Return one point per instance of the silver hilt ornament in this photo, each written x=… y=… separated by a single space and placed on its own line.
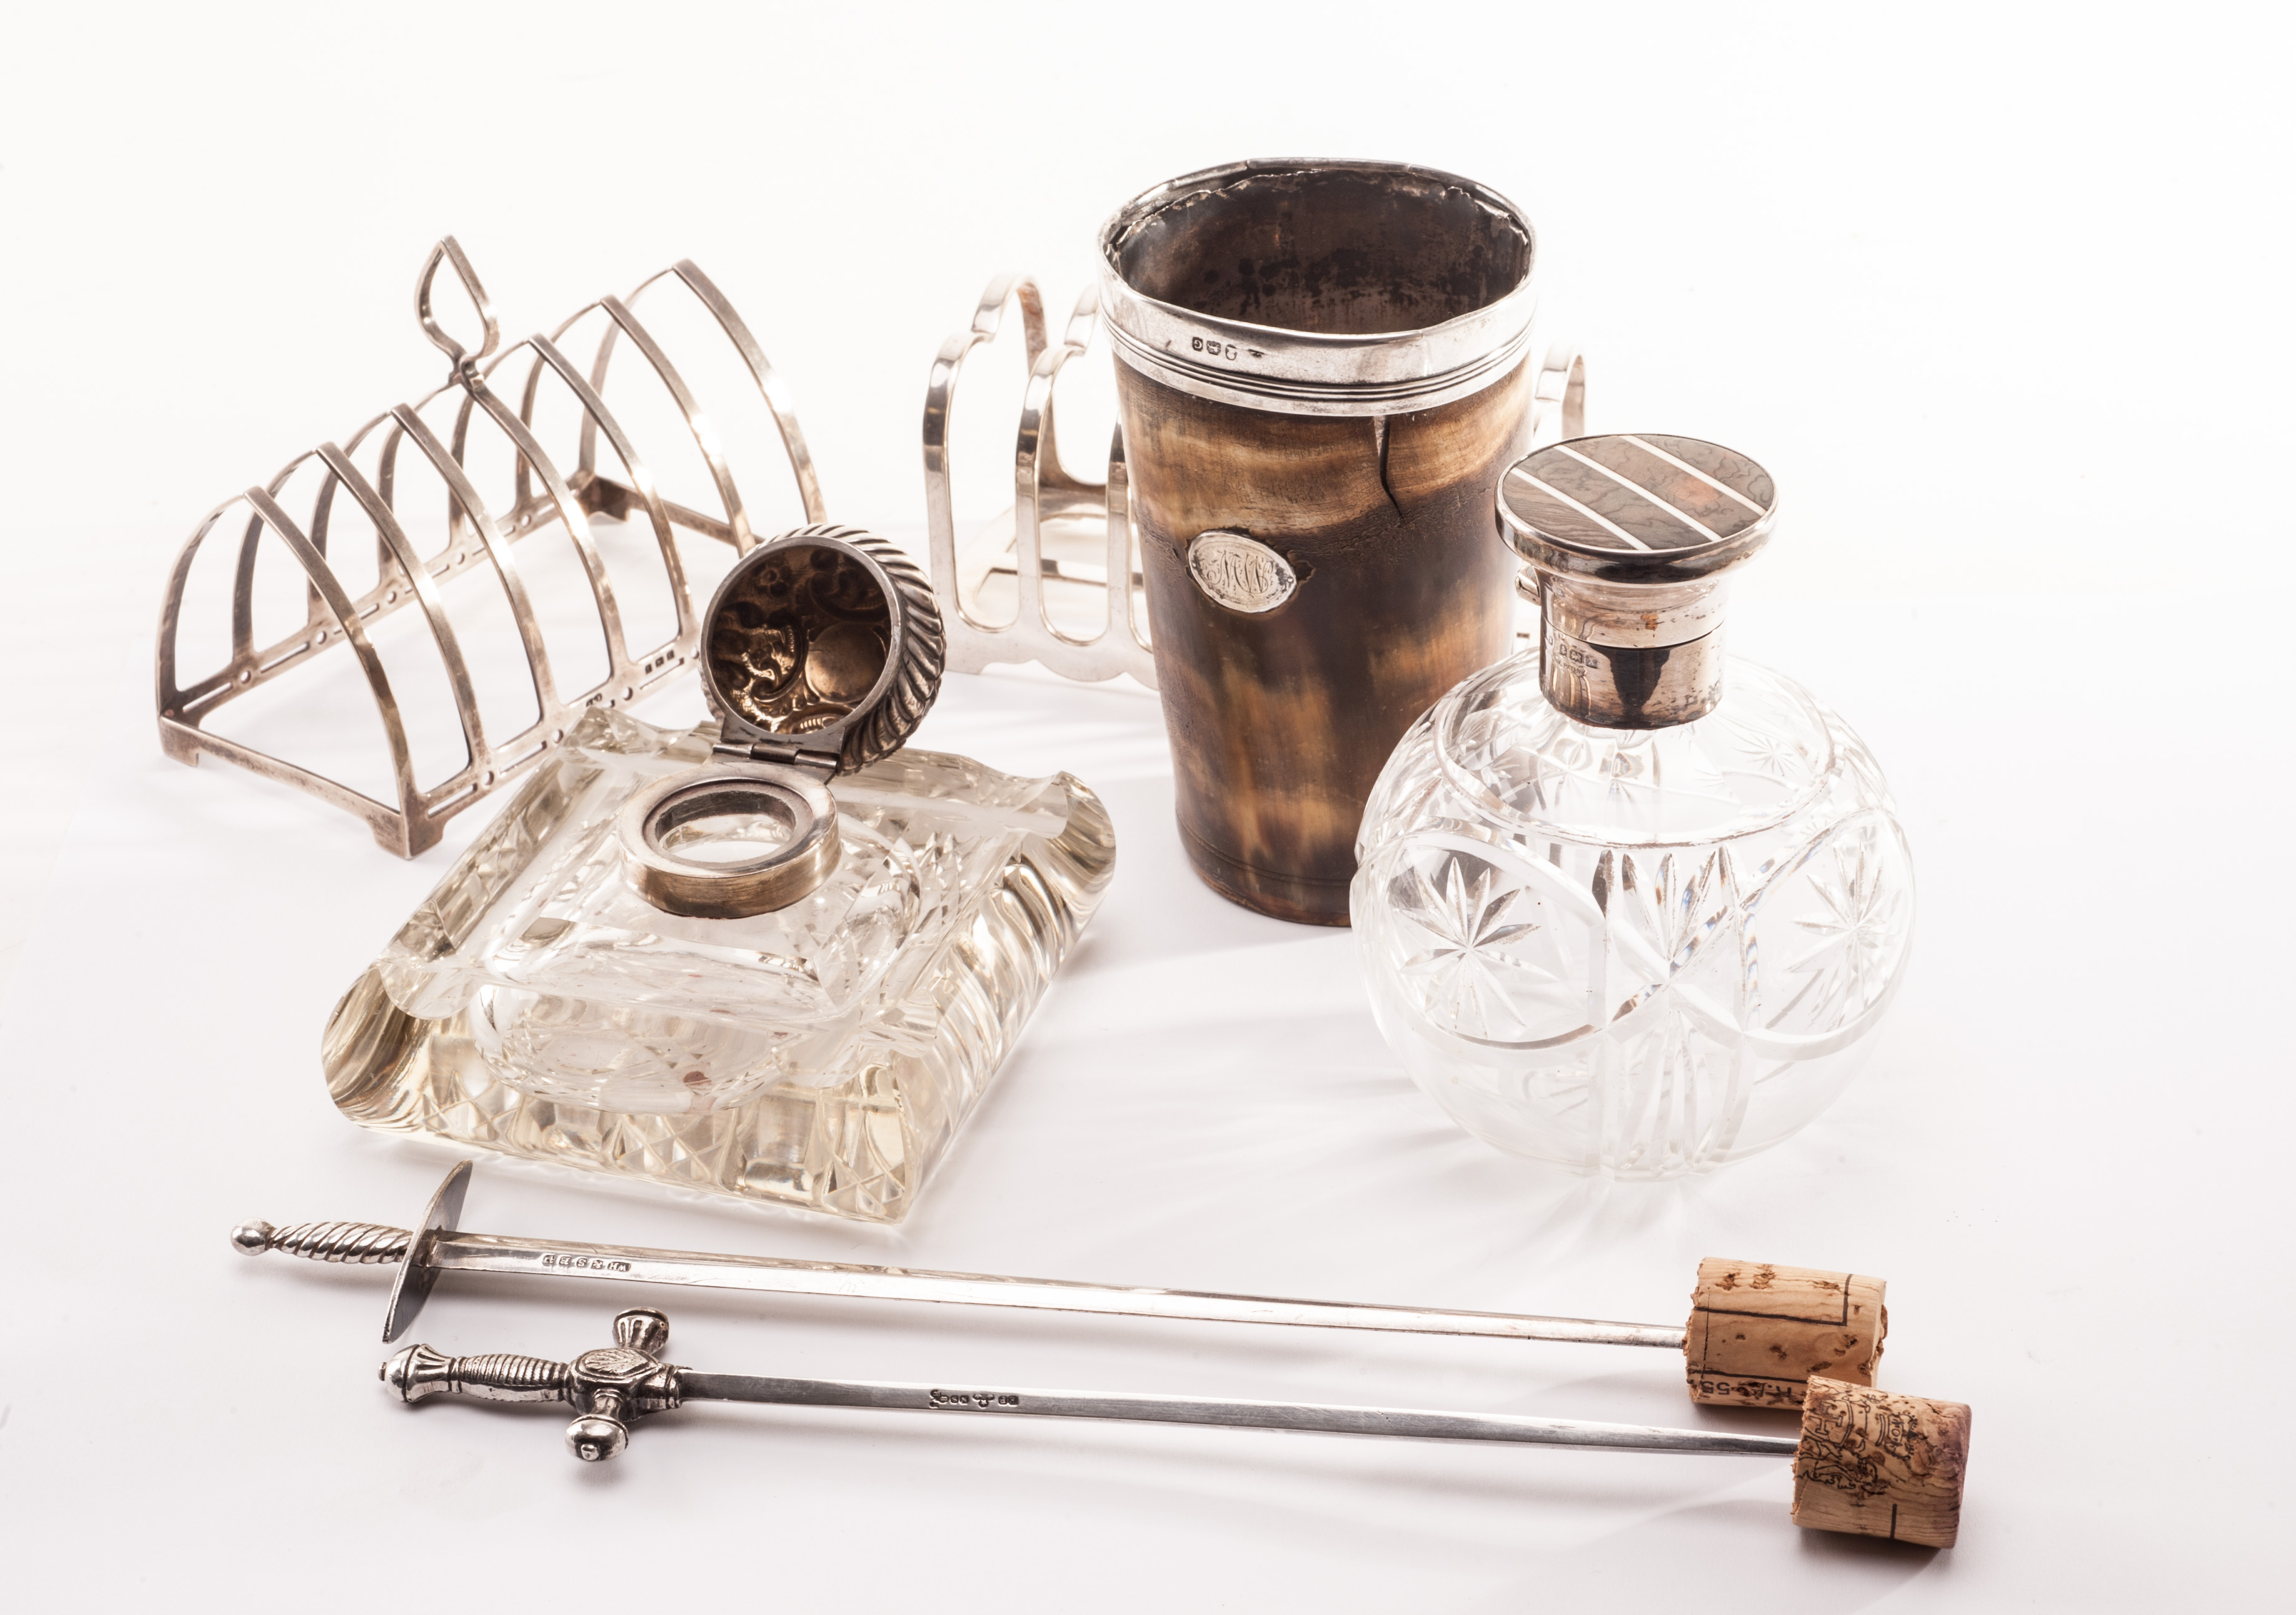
x=611 y=1385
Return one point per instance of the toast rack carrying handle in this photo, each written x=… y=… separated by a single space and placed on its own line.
x=465 y=362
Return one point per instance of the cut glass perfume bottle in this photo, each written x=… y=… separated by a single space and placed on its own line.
x=775 y=956
x=1625 y=903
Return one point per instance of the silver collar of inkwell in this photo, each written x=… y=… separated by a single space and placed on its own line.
x=1628 y=539
x=821 y=653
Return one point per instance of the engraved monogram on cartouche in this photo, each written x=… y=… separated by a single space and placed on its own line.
x=1240 y=572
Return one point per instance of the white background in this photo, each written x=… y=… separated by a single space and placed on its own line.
x=1999 y=295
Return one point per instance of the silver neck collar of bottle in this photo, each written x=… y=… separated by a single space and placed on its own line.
x=1621 y=659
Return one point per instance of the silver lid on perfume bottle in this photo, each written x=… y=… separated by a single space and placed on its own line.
x=1630 y=538
x=821 y=653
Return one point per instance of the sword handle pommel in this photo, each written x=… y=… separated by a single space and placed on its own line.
x=360 y=1244
x=419 y=1372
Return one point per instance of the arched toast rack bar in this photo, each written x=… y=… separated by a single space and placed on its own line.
x=1095 y=516
x=476 y=535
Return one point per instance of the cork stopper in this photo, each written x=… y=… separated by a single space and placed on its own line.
x=1759 y=1331
x=1874 y=1464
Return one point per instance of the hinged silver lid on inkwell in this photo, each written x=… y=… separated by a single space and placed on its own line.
x=821 y=653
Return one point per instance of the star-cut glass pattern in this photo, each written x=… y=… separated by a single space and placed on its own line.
x=1470 y=970
x=1674 y=951
x=1851 y=935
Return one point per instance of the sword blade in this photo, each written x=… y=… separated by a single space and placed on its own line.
x=895 y=1397
x=778 y=1275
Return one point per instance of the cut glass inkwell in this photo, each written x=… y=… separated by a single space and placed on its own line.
x=775 y=956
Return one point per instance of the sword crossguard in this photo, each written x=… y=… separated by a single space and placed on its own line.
x=613 y=1385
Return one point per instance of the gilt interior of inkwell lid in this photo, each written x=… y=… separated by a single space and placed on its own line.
x=1328 y=251
x=799 y=640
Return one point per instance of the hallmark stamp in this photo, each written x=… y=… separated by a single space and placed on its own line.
x=993 y=1400
x=596 y=1263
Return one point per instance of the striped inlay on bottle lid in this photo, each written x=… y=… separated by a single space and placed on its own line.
x=1627 y=494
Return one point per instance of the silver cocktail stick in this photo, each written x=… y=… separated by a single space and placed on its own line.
x=436 y=1246
x=1867 y=1462
x=618 y=1384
